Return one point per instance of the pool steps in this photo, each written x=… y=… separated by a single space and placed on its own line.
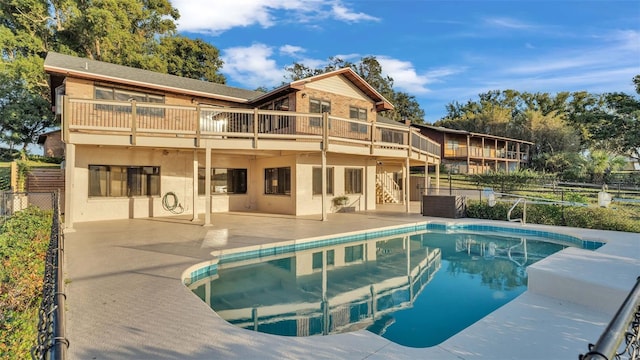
x=593 y=279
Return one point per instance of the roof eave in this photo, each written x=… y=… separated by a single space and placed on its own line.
x=86 y=75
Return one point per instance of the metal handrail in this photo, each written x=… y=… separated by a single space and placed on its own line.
x=524 y=211
x=625 y=325
x=51 y=341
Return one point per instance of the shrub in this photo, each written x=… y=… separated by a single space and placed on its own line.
x=23 y=245
x=582 y=217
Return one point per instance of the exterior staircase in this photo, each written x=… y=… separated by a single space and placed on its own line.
x=387 y=190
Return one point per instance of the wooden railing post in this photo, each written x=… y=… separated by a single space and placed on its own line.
x=373 y=130
x=134 y=125
x=198 y=128
x=255 y=128
x=325 y=131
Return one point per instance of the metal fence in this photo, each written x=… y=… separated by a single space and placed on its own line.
x=51 y=342
x=12 y=202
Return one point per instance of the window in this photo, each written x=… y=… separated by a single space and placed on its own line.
x=109 y=93
x=392 y=136
x=353 y=253
x=358 y=114
x=318 y=107
x=317 y=259
x=317 y=180
x=453 y=144
x=277 y=181
x=224 y=181
x=124 y=181
x=353 y=181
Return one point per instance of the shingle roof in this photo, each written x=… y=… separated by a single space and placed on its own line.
x=92 y=69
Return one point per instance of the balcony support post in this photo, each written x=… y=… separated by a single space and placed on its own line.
x=324 y=183
x=407 y=190
x=207 y=185
x=69 y=185
x=195 y=186
x=437 y=179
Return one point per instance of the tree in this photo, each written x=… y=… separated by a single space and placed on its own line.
x=193 y=59
x=138 y=33
x=24 y=113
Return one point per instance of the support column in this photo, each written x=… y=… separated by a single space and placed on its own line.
x=426 y=177
x=437 y=179
x=69 y=185
x=207 y=185
x=324 y=184
x=195 y=186
x=407 y=190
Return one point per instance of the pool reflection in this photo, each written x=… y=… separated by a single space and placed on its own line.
x=323 y=290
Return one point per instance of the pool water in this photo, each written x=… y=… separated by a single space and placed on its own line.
x=416 y=289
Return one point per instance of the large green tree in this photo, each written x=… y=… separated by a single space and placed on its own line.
x=138 y=33
x=406 y=105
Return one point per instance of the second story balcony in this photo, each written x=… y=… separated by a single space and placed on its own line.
x=106 y=123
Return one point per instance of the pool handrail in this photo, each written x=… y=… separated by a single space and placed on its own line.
x=625 y=325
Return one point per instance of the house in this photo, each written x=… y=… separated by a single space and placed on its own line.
x=473 y=153
x=145 y=144
x=52 y=144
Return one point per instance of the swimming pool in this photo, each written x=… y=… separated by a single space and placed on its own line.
x=415 y=286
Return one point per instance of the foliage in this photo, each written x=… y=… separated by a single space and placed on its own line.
x=138 y=33
x=23 y=245
x=619 y=219
x=507 y=181
x=561 y=126
x=406 y=106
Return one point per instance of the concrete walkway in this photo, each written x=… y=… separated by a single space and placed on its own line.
x=126 y=300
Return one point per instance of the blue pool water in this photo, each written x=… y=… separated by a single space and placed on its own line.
x=416 y=289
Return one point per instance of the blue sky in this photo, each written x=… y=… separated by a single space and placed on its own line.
x=437 y=51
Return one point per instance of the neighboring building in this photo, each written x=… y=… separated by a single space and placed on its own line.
x=467 y=152
x=145 y=144
x=52 y=144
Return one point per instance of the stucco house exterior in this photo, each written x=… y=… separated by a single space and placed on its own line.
x=145 y=144
x=468 y=152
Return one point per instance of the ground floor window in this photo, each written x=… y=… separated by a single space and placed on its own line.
x=353 y=253
x=353 y=181
x=317 y=181
x=224 y=181
x=317 y=259
x=277 y=181
x=124 y=181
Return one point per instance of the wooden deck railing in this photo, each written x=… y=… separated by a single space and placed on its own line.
x=202 y=122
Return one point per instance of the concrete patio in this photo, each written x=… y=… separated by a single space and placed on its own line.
x=126 y=299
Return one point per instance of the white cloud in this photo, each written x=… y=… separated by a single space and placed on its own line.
x=341 y=12
x=291 y=50
x=252 y=66
x=509 y=23
x=216 y=16
x=406 y=78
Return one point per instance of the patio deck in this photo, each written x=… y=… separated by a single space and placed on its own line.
x=125 y=297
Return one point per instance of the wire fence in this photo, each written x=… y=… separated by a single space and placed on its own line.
x=12 y=202
x=51 y=342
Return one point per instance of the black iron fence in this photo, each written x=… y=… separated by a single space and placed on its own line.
x=51 y=341
x=621 y=338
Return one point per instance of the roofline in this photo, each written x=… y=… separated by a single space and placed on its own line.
x=465 y=132
x=384 y=101
x=87 y=75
